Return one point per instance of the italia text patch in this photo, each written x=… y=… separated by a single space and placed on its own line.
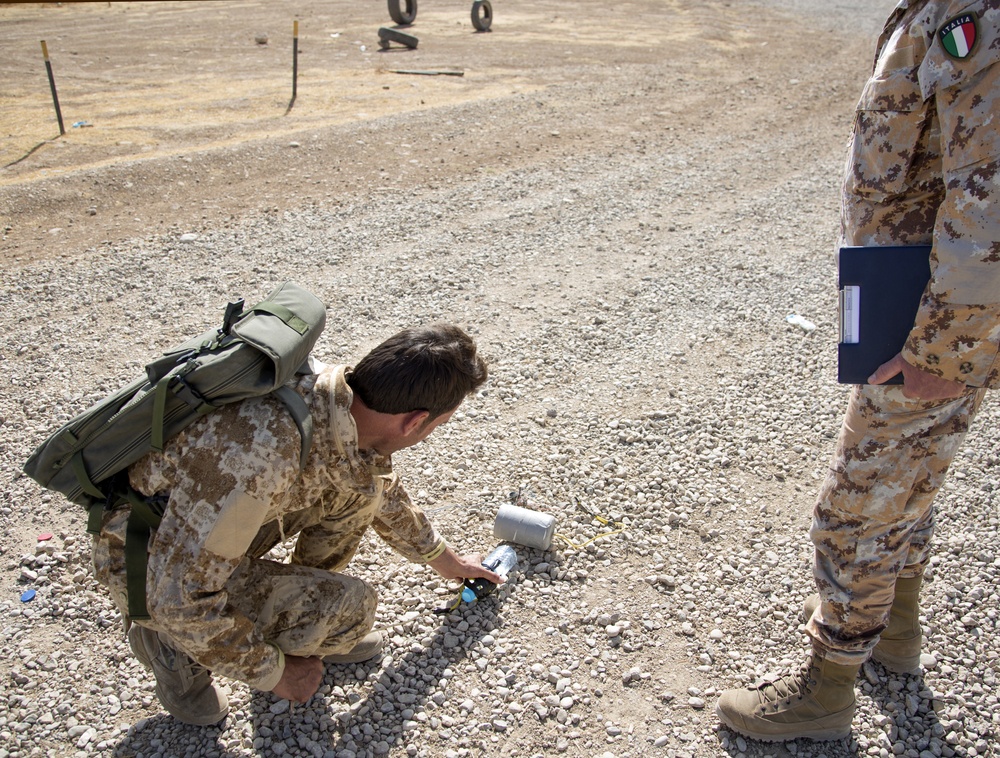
x=959 y=36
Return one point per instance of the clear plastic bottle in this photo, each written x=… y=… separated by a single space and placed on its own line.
x=503 y=560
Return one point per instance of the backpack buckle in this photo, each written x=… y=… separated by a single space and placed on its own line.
x=233 y=313
x=186 y=392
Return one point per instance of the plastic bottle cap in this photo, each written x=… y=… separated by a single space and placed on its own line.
x=468 y=595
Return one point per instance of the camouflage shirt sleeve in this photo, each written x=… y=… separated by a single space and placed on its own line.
x=922 y=169
x=956 y=333
x=404 y=526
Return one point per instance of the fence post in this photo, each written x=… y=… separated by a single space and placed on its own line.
x=295 y=62
x=52 y=86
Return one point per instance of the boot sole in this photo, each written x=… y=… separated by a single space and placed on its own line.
x=187 y=718
x=820 y=735
x=359 y=654
x=335 y=658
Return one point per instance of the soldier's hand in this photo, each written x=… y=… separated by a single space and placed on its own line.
x=450 y=565
x=917 y=384
x=301 y=678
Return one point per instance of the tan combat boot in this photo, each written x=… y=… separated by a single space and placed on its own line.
x=898 y=647
x=184 y=687
x=816 y=702
x=369 y=646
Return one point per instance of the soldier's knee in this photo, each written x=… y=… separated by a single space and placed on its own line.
x=357 y=597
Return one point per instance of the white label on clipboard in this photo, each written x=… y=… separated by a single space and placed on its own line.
x=850 y=314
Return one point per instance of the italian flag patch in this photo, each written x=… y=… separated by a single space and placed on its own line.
x=959 y=36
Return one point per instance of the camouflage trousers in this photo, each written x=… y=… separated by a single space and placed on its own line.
x=303 y=610
x=305 y=607
x=308 y=607
x=874 y=516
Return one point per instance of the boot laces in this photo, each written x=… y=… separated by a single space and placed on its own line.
x=188 y=671
x=788 y=687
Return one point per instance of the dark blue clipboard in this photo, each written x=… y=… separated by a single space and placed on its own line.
x=880 y=289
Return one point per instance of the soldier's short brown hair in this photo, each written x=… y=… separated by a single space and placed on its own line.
x=425 y=368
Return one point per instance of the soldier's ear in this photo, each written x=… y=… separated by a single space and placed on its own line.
x=413 y=421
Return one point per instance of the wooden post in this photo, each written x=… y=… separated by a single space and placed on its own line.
x=52 y=86
x=295 y=62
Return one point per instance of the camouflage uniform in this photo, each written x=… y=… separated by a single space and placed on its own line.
x=235 y=491
x=922 y=169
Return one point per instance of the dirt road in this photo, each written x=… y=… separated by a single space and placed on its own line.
x=623 y=201
x=177 y=117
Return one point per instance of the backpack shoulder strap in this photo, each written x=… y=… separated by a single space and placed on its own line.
x=299 y=412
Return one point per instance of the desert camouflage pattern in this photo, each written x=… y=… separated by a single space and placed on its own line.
x=922 y=169
x=234 y=490
x=874 y=517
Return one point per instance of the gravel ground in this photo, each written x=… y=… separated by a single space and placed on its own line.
x=632 y=306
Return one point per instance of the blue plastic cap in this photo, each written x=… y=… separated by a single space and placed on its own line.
x=468 y=595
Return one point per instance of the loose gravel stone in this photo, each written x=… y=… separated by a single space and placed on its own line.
x=646 y=390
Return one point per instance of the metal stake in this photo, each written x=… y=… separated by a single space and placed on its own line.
x=295 y=62
x=52 y=86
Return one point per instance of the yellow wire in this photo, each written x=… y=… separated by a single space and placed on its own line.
x=452 y=606
x=600 y=519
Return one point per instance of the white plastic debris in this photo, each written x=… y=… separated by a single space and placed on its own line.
x=805 y=324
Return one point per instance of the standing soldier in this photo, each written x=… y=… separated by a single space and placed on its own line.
x=923 y=169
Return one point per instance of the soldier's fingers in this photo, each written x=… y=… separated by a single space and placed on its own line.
x=887 y=370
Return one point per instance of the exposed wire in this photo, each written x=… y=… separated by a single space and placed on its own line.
x=450 y=607
x=601 y=519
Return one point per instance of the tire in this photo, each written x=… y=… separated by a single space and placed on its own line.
x=403 y=11
x=387 y=35
x=482 y=15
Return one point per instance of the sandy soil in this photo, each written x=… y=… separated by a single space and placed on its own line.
x=176 y=117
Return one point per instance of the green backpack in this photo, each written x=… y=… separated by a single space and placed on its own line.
x=255 y=352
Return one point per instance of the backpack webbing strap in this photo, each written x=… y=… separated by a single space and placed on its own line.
x=179 y=387
x=96 y=508
x=94 y=517
x=83 y=478
x=284 y=314
x=143 y=518
x=303 y=419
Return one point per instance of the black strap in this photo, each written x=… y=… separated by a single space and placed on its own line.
x=233 y=313
x=143 y=519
